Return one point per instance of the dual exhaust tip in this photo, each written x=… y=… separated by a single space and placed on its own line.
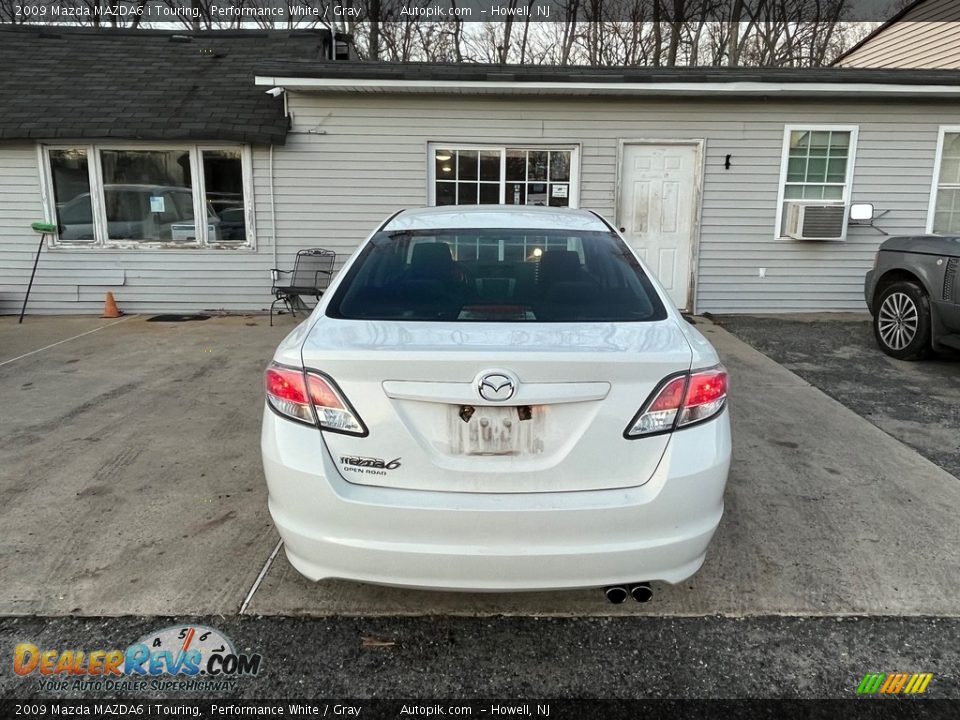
x=641 y=592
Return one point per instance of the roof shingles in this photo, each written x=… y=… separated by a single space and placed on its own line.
x=86 y=83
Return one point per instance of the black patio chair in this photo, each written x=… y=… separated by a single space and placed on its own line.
x=311 y=274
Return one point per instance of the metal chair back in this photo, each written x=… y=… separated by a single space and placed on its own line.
x=313 y=268
x=311 y=275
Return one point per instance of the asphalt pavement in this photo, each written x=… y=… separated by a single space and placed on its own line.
x=465 y=658
x=918 y=403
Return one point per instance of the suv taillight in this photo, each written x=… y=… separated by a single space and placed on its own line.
x=310 y=397
x=681 y=401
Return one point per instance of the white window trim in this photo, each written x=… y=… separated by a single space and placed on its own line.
x=95 y=180
x=573 y=149
x=854 y=131
x=935 y=180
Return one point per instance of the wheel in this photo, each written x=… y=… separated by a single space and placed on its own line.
x=902 y=322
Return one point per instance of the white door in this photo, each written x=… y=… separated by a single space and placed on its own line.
x=656 y=211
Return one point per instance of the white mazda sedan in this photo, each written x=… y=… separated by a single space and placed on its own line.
x=496 y=398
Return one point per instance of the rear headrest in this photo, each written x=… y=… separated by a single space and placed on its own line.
x=433 y=254
x=559 y=265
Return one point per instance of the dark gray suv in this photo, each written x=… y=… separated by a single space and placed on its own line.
x=913 y=292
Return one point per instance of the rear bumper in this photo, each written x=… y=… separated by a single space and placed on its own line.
x=488 y=542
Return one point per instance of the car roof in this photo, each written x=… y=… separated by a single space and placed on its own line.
x=478 y=217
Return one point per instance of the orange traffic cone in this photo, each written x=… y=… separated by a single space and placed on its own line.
x=110 y=309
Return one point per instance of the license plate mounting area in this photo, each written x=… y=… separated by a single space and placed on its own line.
x=487 y=430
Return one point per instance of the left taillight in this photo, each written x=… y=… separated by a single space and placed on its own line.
x=310 y=397
x=681 y=401
x=287 y=393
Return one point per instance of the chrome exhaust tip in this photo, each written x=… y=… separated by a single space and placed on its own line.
x=641 y=592
x=616 y=594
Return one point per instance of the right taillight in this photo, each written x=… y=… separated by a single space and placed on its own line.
x=310 y=397
x=681 y=401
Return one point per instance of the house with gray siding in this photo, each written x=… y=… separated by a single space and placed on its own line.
x=735 y=185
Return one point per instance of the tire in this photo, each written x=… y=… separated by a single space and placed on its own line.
x=901 y=324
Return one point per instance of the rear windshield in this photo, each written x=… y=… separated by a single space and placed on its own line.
x=496 y=275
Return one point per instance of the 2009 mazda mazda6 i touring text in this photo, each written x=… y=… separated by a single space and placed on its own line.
x=496 y=398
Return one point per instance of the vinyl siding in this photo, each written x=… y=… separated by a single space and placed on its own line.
x=74 y=280
x=926 y=37
x=926 y=45
x=352 y=160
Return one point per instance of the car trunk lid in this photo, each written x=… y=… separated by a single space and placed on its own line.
x=550 y=417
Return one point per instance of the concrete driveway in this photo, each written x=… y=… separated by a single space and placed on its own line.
x=130 y=483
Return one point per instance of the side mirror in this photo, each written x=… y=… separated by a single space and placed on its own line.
x=861 y=212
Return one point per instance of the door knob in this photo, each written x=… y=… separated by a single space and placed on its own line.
x=623 y=229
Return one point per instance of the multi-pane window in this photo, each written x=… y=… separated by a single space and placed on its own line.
x=538 y=177
x=946 y=195
x=508 y=175
x=467 y=177
x=817 y=167
x=149 y=197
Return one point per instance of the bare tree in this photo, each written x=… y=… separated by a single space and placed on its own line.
x=658 y=33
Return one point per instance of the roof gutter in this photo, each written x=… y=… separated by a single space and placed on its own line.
x=699 y=89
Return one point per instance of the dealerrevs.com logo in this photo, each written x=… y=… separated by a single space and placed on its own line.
x=178 y=658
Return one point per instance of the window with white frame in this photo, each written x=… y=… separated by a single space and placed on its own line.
x=489 y=175
x=817 y=165
x=944 y=214
x=149 y=196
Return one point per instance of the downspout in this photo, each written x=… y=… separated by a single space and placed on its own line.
x=273 y=211
x=273 y=202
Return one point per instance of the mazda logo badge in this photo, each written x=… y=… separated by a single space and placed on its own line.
x=496 y=387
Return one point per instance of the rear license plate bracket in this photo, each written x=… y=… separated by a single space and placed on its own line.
x=488 y=430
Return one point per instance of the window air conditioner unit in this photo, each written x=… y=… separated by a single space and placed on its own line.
x=806 y=221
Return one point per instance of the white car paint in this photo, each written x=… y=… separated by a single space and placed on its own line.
x=588 y=507
x=481 y=216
